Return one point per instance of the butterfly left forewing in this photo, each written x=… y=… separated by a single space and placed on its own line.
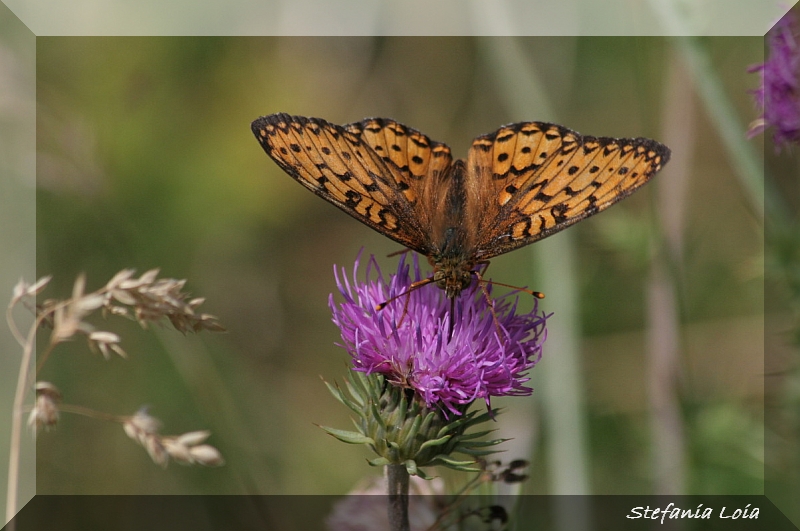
x=340 y=167
x=414 y=155
x=419 y=166
x=544 y=177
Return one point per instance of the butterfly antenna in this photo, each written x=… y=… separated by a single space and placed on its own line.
x=414 y=285
x=479 y=275
x=537 y=294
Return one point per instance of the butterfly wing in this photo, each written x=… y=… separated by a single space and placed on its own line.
x=416 y=158
x=374 y=169
x=538 y=178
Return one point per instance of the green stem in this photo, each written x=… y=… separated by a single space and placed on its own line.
x=398 y=497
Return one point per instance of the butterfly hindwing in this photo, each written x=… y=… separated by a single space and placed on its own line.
x=544 y=177
x=341 y=165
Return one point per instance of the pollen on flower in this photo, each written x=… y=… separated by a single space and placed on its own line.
x=407 y=341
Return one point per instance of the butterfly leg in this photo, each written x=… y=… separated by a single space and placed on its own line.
x=407 y=295
x=482 y=283
x=398 y=253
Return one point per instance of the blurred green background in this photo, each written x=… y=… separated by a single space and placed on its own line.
x=145 y=159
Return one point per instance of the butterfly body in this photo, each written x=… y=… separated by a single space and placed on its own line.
x=517 y=185
x=450 y=237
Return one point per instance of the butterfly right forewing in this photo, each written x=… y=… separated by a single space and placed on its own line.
x=341 y=165
x=503 y=162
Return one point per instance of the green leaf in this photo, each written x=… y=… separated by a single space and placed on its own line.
x=462 y=468
x=483 y=444
x=478 y=453
x=423 y=475
x=474 y=435
x=455 y=425
x=373 y=383
x=341 y=397
x=359 y=428
x=350 y=437
x=485 y=416
x=335 y=391
x=465 y=422
x=358 y=394
x=410 y=433
x=375 y=413
x=402 y=408
x=434 y=442
x=379 y=461
x=426 y=424
x=449 y=461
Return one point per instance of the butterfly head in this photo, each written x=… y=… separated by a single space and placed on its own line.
x=452 y=274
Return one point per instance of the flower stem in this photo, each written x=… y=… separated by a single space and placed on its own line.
x=398 y=497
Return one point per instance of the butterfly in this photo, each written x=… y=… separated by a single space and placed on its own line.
x=519 y=184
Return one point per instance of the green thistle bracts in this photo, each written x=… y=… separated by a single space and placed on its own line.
x=402 y=430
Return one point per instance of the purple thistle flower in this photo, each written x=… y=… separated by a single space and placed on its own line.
x=408 y=341
x=779 y=94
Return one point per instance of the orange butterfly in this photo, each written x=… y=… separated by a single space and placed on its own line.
x=518 y=185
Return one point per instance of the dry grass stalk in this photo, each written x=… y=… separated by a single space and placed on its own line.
x=186 y=449
x=147 y=299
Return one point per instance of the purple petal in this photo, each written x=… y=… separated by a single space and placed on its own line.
x=779 y=94
x=407 y=342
